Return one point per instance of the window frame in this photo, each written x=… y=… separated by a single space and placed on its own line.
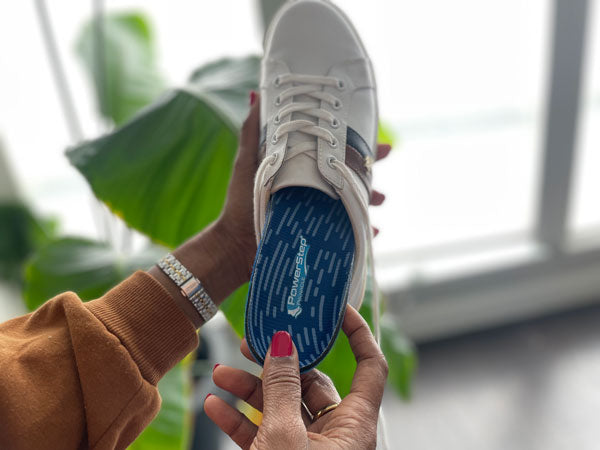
x=558 y=272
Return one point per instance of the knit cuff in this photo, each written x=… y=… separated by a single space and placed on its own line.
x=142 y=314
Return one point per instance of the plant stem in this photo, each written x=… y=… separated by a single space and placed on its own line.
x=66 y=99
x=98 y=49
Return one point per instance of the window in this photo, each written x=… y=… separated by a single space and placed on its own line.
x=461 y=84
x=585 y=203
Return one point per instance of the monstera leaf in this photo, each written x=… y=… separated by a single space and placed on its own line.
x=166 y=171
x=119 y=55
x=86 y=267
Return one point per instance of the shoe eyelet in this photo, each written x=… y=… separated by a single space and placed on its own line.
x=333 y=143
x=337 y=104
x=278 y=101
x=341 y=85
x=335 y=123
x=277 y=82
x=274 y=139
x=330 y=161
x=275 y=157
x=277 y=120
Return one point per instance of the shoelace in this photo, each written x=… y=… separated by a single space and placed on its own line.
x=311 y=86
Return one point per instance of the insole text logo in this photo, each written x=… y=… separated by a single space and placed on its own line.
x=293 y=302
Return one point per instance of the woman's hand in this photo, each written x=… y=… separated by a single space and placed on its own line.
x=236 y=221
x=280 y=393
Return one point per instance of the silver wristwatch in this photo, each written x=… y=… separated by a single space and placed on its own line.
x=190 y=286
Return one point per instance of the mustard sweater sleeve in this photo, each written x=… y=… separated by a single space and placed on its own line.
x=83 y=375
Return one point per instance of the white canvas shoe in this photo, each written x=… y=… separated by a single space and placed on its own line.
x=319 y=130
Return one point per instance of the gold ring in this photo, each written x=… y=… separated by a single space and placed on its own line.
x=322 y=412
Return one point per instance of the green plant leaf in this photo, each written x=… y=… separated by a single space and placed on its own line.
x=225 y=85
x=234 y=309
x=385 y=135
x=21 y=233
x=170 y=428
x=401 y=356
x=123 y=66
x=166 y=171
x=87 y=267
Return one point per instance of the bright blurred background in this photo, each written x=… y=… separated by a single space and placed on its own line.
x=489 y=250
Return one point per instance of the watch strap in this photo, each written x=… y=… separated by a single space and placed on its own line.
x=191 y=287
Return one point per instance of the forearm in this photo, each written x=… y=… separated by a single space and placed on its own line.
x=216 y=259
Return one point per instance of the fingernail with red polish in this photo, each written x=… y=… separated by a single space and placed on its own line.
x=215 y=366
x=252 y=97
x=281 y=345
x=383 y=151
x=207 y=395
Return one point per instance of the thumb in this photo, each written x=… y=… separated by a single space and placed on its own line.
x=282 y=394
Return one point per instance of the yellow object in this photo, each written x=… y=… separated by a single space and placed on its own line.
x=254 y=415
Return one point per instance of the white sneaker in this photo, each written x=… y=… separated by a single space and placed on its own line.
x=319 y=130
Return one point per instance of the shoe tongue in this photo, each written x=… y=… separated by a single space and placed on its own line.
x=302 y=170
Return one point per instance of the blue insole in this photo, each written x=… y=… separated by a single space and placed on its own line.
x=301 y=274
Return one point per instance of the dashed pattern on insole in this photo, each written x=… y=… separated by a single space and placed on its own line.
x=305 y=297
